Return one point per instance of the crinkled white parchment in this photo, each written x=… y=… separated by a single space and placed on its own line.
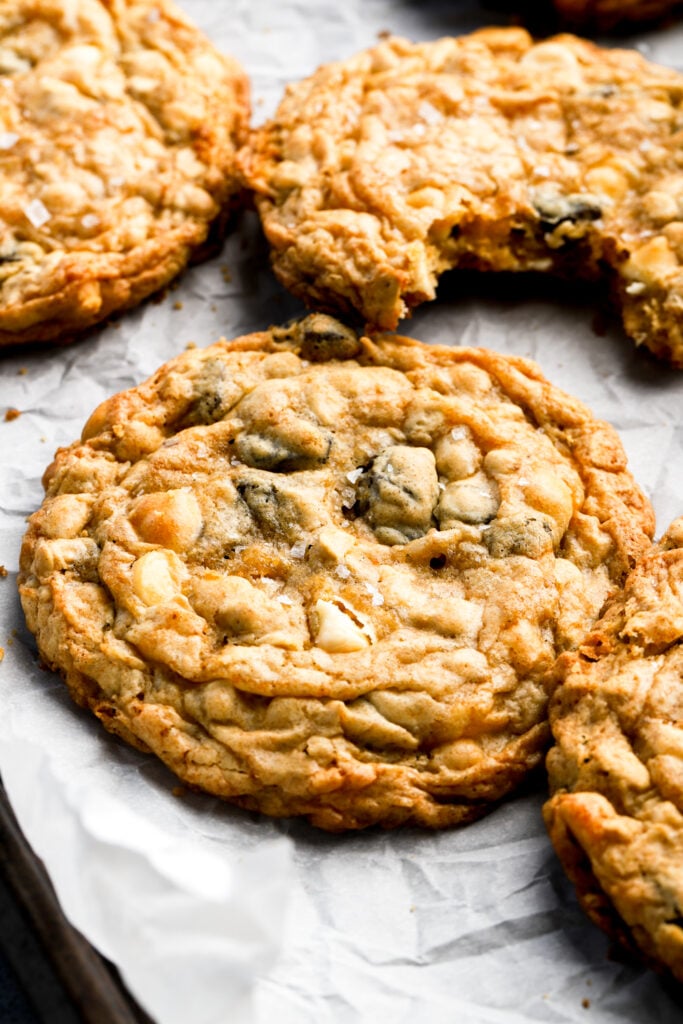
x=214 y=915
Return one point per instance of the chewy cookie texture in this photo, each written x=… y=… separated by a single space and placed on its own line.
x=118 y=129
x=487 y=152
x=616 y=771
x=324 y=575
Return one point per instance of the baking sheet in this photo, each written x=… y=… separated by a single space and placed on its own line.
x=215 y=915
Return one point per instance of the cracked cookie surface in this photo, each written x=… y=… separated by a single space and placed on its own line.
x=119 y=124
x=487 y=152
x=325 y=575
x=616 y=772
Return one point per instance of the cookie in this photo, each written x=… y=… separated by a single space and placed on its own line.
x=324 y=575
x=607 y=14
x=120 y=123
x=487 y=152
x=616 y=772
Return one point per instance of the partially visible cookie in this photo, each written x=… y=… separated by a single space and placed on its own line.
x=487 y=152
x=606 y=14
x=324 y=575
x=119 y=125
x=616 y=771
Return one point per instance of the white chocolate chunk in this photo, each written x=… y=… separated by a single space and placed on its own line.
x=468 y=501
x=67 y=515
x=456 y=454
x=158 y=576
x=172 y=519
x=335 y=631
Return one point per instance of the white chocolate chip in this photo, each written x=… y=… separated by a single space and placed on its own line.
x=158 y=576
x=335 y=631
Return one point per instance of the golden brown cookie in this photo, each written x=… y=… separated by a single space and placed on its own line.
x=328 y=576
x=486 y=152
x=119 y=123
x=616 y=772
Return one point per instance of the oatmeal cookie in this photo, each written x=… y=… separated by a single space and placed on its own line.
x=119 y=124
x=616 y=772
x=486 y=152
x=325 y=575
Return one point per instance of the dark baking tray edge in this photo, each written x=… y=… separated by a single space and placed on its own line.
x=88 y=981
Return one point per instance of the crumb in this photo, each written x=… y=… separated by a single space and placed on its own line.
x=22 y=371
x=384 y=33
x=11 y=414
x=3 y=572
x=259 y=101
x=586 y=1004
x=2 y=653
x=15 y=631
x=43 y=439
x=177 y=305
x=179 y=791
x=191 y=344
x=213 y=307
x=227 y=276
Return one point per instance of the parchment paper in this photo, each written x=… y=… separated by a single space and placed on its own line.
x=214 y=915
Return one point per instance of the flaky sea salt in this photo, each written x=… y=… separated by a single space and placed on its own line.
x=458 y=433
x=283 y=599
x=8 y=139
x=37 y=213
x=343 y=571
x=355 y=475
x=429 y=113
x=348 y=496
x=90 y=220
x=377 y=599
x=298 y=550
